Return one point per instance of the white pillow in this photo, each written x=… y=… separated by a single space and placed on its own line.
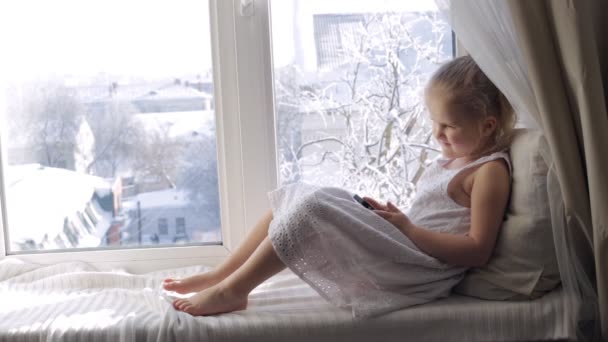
x=523 y=264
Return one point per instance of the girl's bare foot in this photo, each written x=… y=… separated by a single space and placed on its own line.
x=214 y=300
x=194 y=283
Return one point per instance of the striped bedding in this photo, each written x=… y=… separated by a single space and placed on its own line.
x=76 y=302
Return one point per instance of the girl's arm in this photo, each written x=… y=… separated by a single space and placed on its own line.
x=489 y=197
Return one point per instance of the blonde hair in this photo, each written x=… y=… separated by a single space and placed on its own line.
x=466 y=86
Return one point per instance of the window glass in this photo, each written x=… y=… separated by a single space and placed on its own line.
x=163 y=226
x=180 y=225
x=348 y=79
x=91 y=214
x=109 y=111
x=85 y=223
x=70 y=231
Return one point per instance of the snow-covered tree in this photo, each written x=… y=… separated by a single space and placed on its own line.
x=116 y=132
x=45 y=120
x=157 y=155
x=198 y=175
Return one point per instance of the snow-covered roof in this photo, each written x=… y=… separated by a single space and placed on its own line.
x=101 y=93
x=141 y=91
x=40 y=198
x=180 y=124
x=175 y=91
x=169 y=198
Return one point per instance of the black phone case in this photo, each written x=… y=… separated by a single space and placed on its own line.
x=363 y=202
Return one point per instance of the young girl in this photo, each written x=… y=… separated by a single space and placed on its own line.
x=376 y=261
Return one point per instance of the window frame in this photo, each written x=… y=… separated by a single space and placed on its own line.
x=247 y=162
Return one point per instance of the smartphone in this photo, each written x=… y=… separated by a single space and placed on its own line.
x=363 y=202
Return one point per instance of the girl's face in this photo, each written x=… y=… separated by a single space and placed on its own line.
x=460 y=135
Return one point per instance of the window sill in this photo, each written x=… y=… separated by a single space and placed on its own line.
x=133 y=260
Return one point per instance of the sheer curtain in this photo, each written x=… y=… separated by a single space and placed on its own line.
x=546 y=56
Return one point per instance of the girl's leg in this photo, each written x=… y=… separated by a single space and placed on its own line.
x=202 y=281
x=232 y=292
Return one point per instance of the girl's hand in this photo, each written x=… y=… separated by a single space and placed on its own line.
x=393 y=215
x=375 y=204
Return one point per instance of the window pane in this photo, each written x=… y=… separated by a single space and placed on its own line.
x=163 y=226
x=110 y=123
x=180 y=227
x=348 y=83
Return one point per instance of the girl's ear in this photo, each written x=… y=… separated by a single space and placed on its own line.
x=489 y=126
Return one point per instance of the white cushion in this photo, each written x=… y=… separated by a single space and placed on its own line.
x=523 y=264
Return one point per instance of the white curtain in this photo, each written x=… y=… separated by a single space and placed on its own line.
x=487 y=32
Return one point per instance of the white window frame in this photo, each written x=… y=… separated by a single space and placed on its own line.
x=247 y=163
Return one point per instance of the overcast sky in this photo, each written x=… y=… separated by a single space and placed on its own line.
x=138 y=37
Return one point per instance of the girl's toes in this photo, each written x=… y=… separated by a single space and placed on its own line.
x=169 y=285
x=188 y=308
x=183 y=305
x=178 y=303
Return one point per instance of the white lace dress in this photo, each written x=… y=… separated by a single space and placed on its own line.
x=357 y=260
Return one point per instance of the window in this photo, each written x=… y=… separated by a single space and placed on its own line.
x=91 y=214
x=179 y=135
x=85 y=223
x=163 y=226
x=180 y=226
x=71 y=233
x=333 y=33
x=123 y=121
x=348 y=92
